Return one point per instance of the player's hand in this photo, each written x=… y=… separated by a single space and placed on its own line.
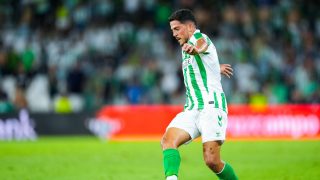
x=226 y=70
x=189 y=49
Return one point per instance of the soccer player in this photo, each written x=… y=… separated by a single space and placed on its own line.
x=205 y=110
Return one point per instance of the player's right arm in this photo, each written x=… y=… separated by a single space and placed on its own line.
x=226 y=70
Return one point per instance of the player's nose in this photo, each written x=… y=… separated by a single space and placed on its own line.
x=175 y=34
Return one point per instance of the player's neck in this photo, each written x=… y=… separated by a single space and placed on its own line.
x=191 y=32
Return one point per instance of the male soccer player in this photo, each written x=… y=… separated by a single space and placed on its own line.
x=205 y=111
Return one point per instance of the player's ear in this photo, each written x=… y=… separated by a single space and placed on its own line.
x=190 y=26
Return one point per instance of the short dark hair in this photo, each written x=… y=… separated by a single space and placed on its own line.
x=183 y=15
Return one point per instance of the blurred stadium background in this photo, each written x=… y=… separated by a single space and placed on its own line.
x=111 y=68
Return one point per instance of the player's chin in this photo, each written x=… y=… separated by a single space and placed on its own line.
x=181 y=42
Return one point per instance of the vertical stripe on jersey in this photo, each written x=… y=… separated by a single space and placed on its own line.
x=188 y=90
x=196 y=88
x=223 y=102
x=202 y=71
x=216 y=103
x=198 y=35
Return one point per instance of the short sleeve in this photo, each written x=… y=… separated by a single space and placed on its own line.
x=196 y=35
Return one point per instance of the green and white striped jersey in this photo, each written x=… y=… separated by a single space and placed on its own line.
x=202 y=77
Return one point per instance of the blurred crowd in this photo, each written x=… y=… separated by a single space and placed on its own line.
x=74 y=55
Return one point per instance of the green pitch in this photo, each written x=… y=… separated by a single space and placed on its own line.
x=65 y=158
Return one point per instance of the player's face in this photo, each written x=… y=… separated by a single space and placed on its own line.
x=179 y=31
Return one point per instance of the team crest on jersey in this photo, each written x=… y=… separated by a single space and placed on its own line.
x=186 y=63
x=187 y=59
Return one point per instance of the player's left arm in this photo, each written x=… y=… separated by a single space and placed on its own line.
x=200 y=46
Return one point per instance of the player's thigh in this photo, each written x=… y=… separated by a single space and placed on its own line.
x=182 y=129
x=174 y=137
x=213 y=124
